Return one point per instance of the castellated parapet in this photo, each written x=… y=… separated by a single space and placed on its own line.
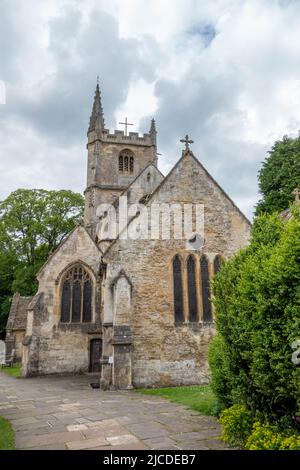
x=119 y=137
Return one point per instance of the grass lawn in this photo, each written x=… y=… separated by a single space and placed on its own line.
x=7 y=435
x=14 y=371
x=199 y=398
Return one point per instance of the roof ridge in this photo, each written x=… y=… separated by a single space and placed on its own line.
x=63 y=242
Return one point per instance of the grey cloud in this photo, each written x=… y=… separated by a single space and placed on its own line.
x=50 y=90
x=80 y=52
x=190 y=107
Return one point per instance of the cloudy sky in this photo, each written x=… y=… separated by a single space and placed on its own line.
x=225 y=71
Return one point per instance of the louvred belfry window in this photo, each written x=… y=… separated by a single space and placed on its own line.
x=76 y=296
x=121 y=164
x=126 y=162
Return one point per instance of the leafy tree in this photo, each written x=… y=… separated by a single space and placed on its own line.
x=279 y=176
x=33 y=222
x=257 y=307
x=7 y=263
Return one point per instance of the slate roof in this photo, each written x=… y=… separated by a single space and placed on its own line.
x=17 y=318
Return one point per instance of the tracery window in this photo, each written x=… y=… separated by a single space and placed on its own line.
x=76 y=296
x=191 y=289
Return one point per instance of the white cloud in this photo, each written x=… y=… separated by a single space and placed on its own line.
x=140 y=101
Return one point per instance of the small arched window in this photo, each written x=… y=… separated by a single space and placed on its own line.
x=178 y=294
x=76 y=296
x=205 y=283
x=192 y=289
x=126 y=162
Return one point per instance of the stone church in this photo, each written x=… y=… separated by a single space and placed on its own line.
x=137 y=310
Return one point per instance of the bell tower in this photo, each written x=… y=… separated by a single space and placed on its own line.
x=115 y=159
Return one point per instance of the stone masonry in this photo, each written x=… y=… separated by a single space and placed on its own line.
x=109 y=301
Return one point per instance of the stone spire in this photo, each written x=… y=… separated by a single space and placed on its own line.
x=97 y=118
x=153 y=131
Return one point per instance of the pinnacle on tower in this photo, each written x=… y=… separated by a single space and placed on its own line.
x=97 y=118
x=153 y=130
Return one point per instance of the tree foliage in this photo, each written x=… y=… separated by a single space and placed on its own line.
x=33 y=222
x=279 y=176
x=257 y=307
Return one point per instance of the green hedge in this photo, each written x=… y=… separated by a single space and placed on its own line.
x=257 y=300
x=7 y=435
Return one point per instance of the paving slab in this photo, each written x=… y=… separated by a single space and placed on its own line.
x=86 y=443
x=50 y=413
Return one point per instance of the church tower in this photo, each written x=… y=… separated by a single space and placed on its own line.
x=114 y=161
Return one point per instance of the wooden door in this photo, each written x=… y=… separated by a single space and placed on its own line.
x=95 y=355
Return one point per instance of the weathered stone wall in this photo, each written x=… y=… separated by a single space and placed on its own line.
x=53 y=347
x=10 y=342
x=165 y=353
x=144 y=184
x=19 y=335
x=109 y=148
x=104 y=182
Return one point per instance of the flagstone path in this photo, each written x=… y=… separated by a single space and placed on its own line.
x=66 y=413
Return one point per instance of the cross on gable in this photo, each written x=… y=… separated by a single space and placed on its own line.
x=126 y=124
x=187 y=141
x=296 y=193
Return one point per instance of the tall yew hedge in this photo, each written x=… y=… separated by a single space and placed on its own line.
x=257 y=301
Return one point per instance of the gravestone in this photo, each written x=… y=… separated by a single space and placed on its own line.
x=2 y=352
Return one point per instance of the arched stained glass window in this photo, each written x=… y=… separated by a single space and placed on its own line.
x=76 y=296
x=217 y=264
x=192 y=289
x=65 y=302
x=76 y=302
x=178 y=294
x=206 y=303
x=87 y=301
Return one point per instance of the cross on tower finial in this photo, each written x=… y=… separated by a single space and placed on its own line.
x=97 y=79
x=126 y=124
x=187 y=141
x=296 y=193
